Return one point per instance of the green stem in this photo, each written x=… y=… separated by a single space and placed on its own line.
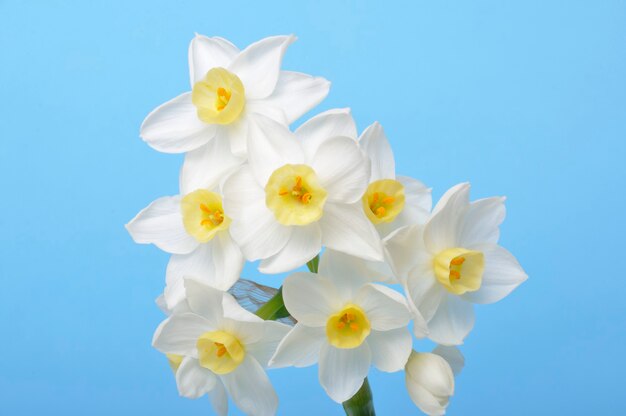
x=313 y=264
x=362 y=403
x=274 y=308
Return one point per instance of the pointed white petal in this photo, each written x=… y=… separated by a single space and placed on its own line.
x=241 y=190
x=193 y=380
x=453 y=356
x=174 y=127
x=233 y=310
x=297 y=93
x=161 y=224
x=342 y=168
x=247 y=331
x=452 y=322
x=416 y=193
x=324 y=126
x=208 y=166
x=206 y=53
x=204 y=301
x=390 y=349
x=304 y=244
x=270 y=146
x=385 y=308
x=219 y=399
x=236 y=134
x=179 y=333
x=264 y=349
x=310 y=298
x=257 y=232
x=258 y=66
x=501 y=276
x=299 y=348
x=342 y=371
x=345 y=228
x=425 y=292
x=268 y=109
x=403 y=249
x=481 y=223
x=251 y=389
x=443 y=229
x=374 y=143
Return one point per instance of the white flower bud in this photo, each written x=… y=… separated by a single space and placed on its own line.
x=430 y=382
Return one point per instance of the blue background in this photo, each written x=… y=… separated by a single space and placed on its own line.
x=522 y=98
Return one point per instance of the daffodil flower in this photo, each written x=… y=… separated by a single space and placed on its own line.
x=429 y=380
x=230 y=89
x=301 y=191
x=224 y=349
x=344 y=323
x=390 y=202
x=454 y=261
x=194 y=227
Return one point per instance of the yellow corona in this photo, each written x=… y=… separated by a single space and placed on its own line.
x=219 y=97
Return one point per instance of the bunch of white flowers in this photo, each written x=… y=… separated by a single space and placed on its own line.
x=252 y=189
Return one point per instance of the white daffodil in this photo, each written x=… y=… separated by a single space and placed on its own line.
x=345 y=324
x=193 y=227
x=453 y=261
x=390 y=202
x=430 y=382
x=231 y=89
x=301 y=191
x=224 y=350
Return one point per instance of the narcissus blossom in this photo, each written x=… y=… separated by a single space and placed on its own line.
x=193 y=227
x=344 y=323
x=430 y=382
x=453 y=261
x=231 y=89
x=224 y=349
x=390 y=202
x=301 y=191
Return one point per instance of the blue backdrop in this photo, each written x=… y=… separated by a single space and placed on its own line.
x=523 y=98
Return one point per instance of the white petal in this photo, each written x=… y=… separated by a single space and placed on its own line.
x=236 y=312
x=481 y=223
x=258 y=66
x=304 y=244
x=452 y=322
x=385 y=308
x=240 y=191
x=270 y=146
x=403 y=249
x=430 y=382
x=204 y=301
x=390 y=349
x=501 y=276
x=247 y=331
x=219 y=399
x=251 y=389
x=426 y=401
x=161 y=224
x=443 y=229
x=267 y=109
x=208 y=166
x=236 y=134
x=179 y=333
x=297 y=93
x=206 y=53
x=174 y=127
x=345 y=228
x=374 y=143
x=217 y=263
x=342 y=169
x=300 y=347
x=310 y=298
x=193 y=380
x=342 y=371
x=453 y=356
x=264 y=349
x=416 y=193
x=425 y=292
x=258 y=234
x=324 y=126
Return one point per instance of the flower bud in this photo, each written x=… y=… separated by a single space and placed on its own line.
x=430 y=382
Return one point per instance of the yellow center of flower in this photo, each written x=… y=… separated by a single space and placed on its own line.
x=174 y=360
x=203 y=215
x=383 y=200
x=294 y=195
x=460 y=270
x=219 y=97
x=219 y=352
x=348 y=328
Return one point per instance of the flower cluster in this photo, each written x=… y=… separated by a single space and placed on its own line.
x=251 y=189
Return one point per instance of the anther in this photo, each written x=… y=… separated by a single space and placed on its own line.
x=455 y=274
x=457 y=261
